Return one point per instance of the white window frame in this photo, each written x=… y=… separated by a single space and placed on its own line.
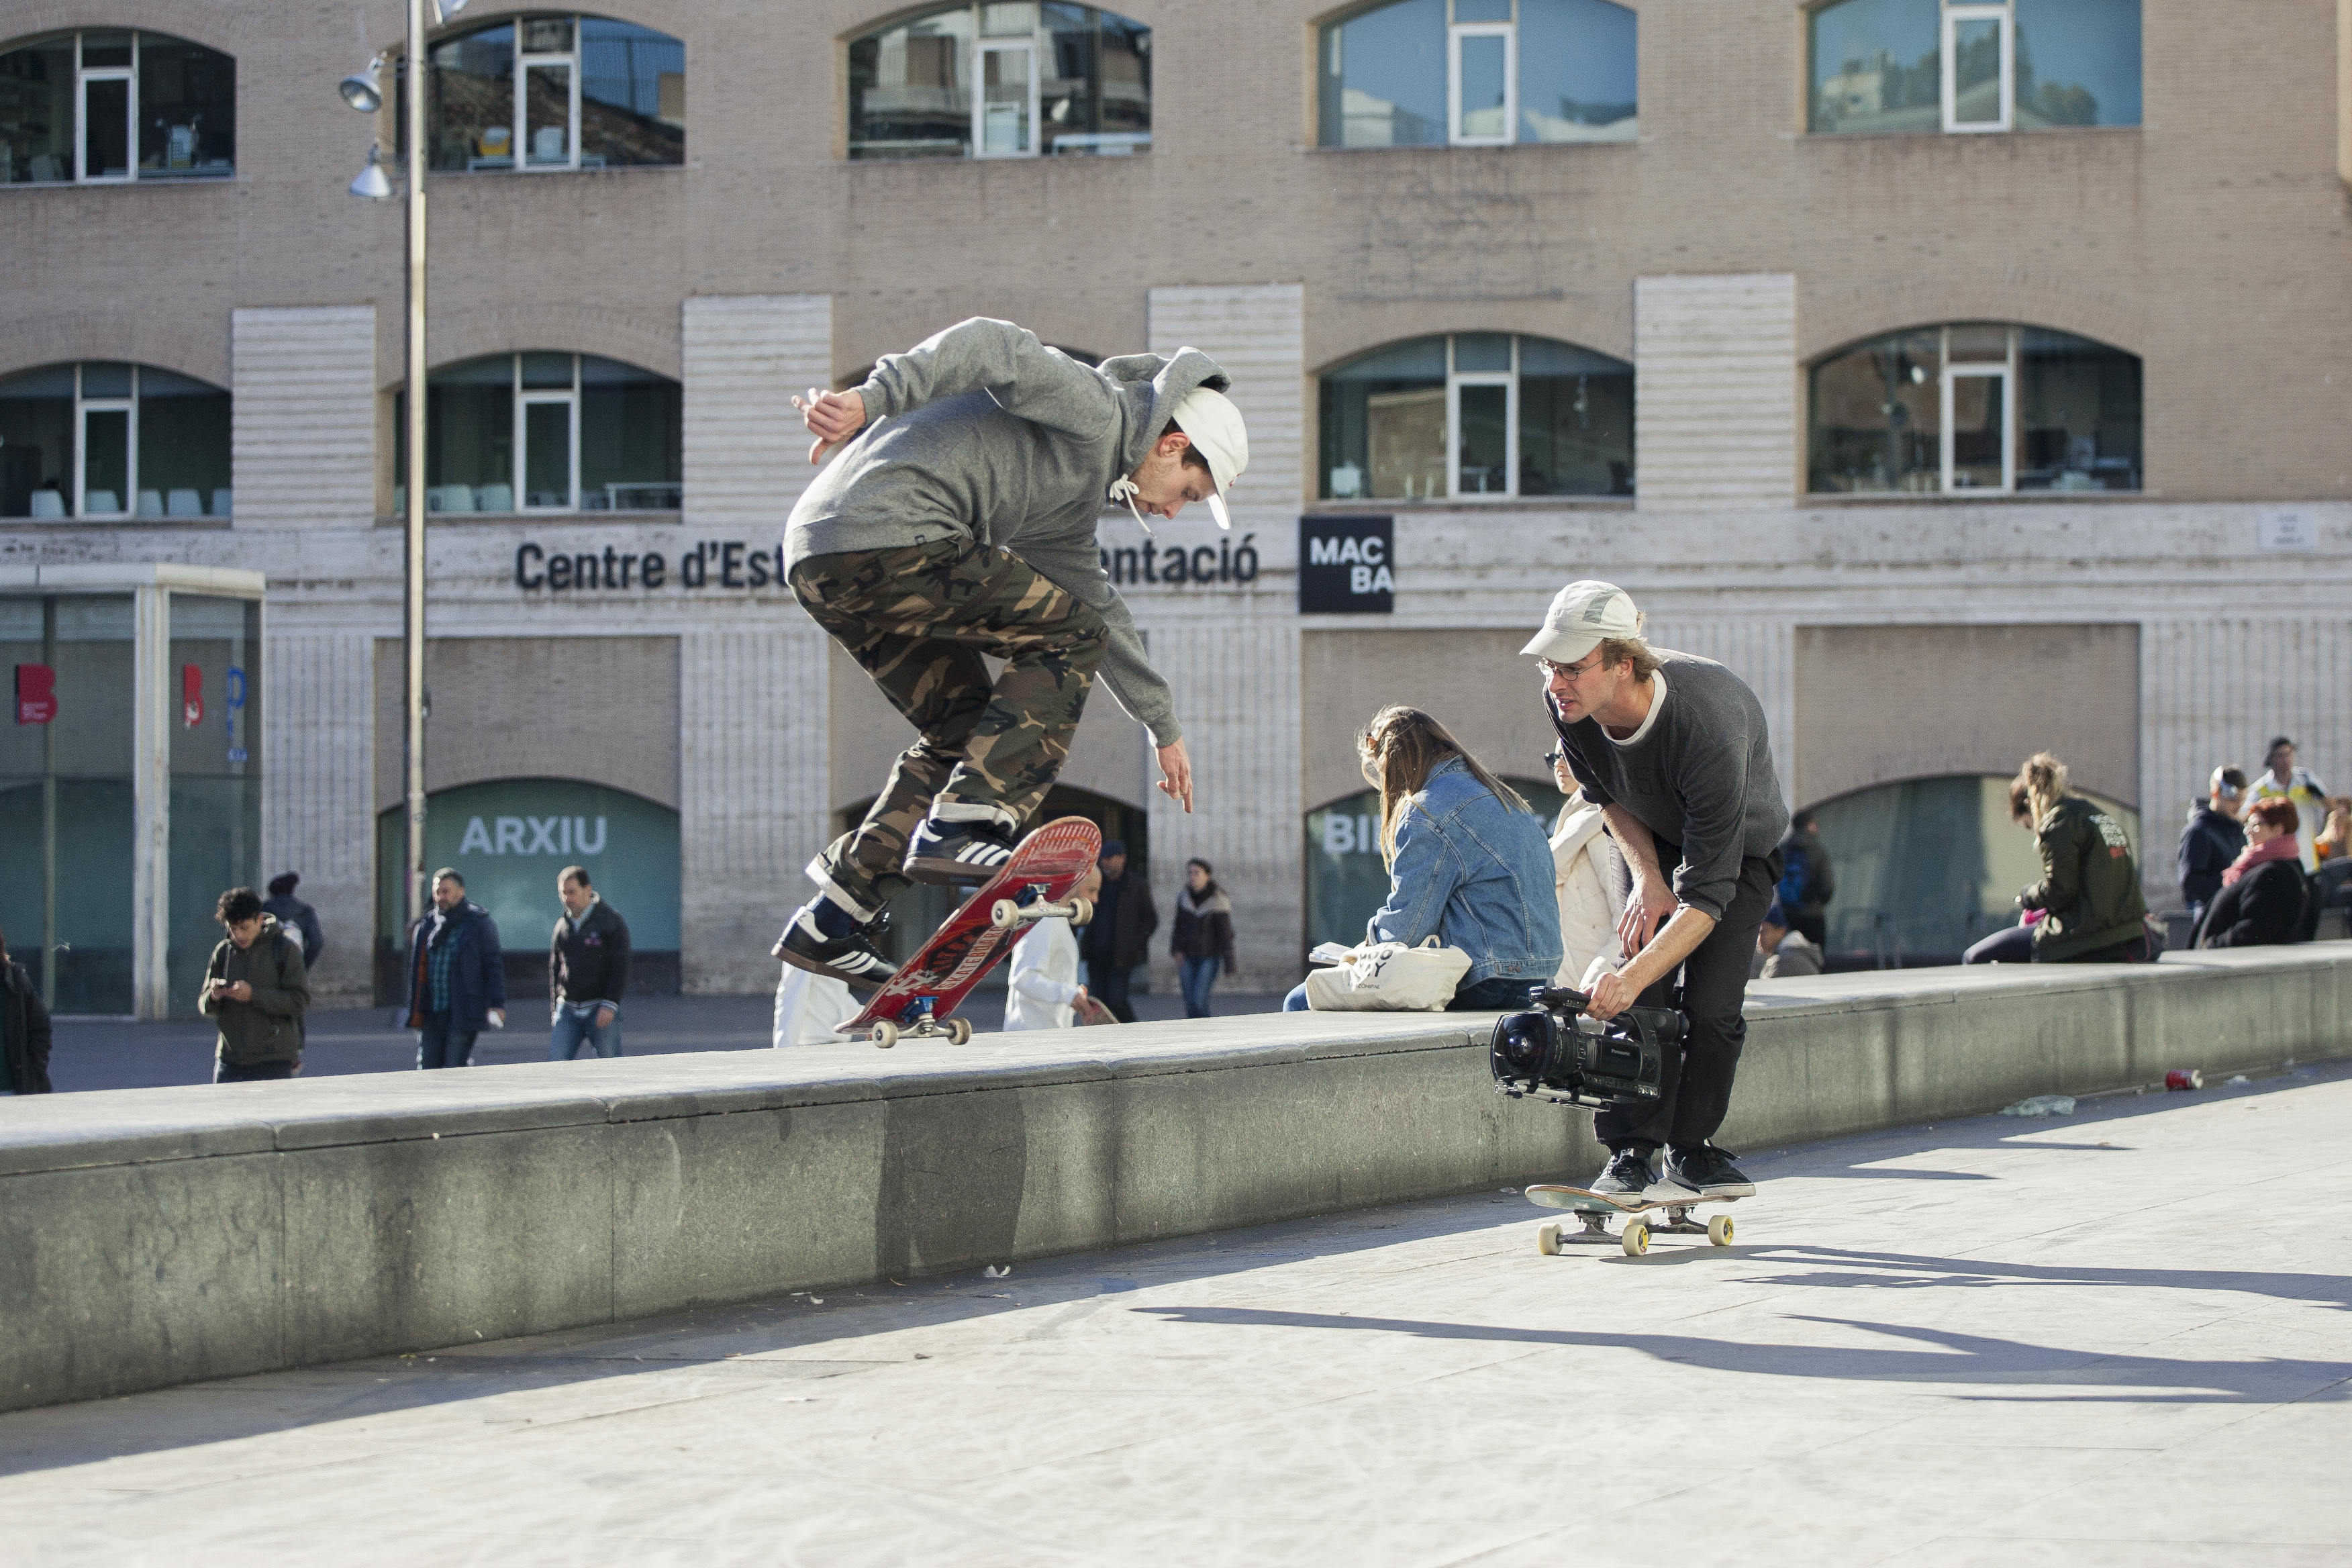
x=1509 y=33
x=1455 y=382
x=83 y=77
x=524 y=400
x=1032 y=46
x=2004 y=371
x=83 y=409
x=1953 y=17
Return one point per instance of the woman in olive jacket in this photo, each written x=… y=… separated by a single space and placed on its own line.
x=2089 y=892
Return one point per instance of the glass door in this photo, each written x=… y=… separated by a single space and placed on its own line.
x=109 y=106
x=1482 y=84
x=547 y=417
x=1005 y=114
x=1978 y=68
x=106 y=480
x=1979 y=436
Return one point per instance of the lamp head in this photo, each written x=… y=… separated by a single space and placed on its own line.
x=363 y=91
x=445 y=10
x=372 y=183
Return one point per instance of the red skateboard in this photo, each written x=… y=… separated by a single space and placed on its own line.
x=1032 y=886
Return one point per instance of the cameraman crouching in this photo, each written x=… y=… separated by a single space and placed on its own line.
x=1674 y=750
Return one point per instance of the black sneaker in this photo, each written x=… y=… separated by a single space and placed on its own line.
x=847 y=954
x=1704 y=1172
x=1625 y=1176
x=944 y=852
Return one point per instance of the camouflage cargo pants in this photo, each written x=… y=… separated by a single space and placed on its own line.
x=917 y=619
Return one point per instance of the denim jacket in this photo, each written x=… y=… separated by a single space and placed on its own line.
x=1476 y=873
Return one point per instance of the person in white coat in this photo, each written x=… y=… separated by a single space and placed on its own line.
x=807 y=1007
x=1586 y=878
x=1042 y=991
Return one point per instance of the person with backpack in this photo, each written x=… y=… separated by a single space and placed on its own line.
x=1806 y=882
x=256 y=985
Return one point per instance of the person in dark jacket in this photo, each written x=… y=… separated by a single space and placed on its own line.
x=257 y=986
x=1202 y=937
x=296 y=916
x=2088 y=900
x=2212 y=839
x=587 y=970
x=1120 y=937
x=456 y=976
x=1807 y=883
x=2264 y=893
x=24 y=1029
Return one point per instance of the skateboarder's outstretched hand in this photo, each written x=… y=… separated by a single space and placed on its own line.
x=832 y=416
x=1177 y=774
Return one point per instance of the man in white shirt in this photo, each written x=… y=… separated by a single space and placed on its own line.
x=1043 y=990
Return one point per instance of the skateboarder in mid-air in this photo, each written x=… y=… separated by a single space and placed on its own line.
x=957 y=519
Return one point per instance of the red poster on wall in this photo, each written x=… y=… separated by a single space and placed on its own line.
x=37 y=694
x=192 y=695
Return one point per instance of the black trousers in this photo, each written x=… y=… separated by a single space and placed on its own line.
x=1107 y=983
x=1696 y=1093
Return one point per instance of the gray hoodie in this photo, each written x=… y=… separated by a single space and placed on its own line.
x=984 y=431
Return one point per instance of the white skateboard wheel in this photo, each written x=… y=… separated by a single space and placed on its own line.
x=1719 y=1230
x=1003 y=914
x=958 y=1031
x=1082 y=912
x=884 y=1035
x=1636 y=1239
x=1548 y=1240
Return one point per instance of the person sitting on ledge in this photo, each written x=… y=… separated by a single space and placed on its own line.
x=2263 y=895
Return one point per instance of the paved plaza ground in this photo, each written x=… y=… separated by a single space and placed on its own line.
x=2121 y=1337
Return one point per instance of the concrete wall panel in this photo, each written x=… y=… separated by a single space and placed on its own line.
x=1715 y=391
x=318 y=759
x=302 y=422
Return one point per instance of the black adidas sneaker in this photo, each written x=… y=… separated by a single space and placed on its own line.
x=825 y=939
x=944 y=852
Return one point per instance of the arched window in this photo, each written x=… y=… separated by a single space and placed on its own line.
x=1926 y=867
x=1478 y=73
x=546 y=432
x=1478 y=413
x=1002 y=80
x=1970 y=66
x=593 y=93
x=148 y=107
x=104 y=439
x=1975 y=407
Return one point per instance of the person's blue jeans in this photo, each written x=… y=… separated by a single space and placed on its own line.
x=572 y=1030
x=439 y=1046
x=1198 y=974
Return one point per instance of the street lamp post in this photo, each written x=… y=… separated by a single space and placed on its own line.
x=363 y=92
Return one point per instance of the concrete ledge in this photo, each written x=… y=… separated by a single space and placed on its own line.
x=155 y=1237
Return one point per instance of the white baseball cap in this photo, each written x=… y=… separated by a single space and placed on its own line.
x=1213 y=425
x=1581 y=616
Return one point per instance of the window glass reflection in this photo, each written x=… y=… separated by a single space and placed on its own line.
x=1384 y=78
x=1058 y=79
x=1577 y=70
x=1384 y=429
x=36 y=113
x=187 y=110
x=1877 y=67
x=113 y=439
x=632 y=95
x=596 y=93
x=613 y=428
x=2078 y=63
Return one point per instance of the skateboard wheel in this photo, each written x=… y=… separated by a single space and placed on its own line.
x=1719 y=1230
x=1636 y=1239
x=1548 y=1240
x=958 y=1031
x=884 y=1034
x=1003 y=914
x=1082 y=912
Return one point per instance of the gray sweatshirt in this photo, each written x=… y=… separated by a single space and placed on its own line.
x=983 y=431
x=1698 y=773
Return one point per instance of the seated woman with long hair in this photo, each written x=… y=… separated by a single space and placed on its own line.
x=1469 y=863
x=2087 y=907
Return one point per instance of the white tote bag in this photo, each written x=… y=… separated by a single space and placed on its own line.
x=1387 y=977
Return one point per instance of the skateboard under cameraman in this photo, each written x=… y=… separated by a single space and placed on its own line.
x=1035 y=885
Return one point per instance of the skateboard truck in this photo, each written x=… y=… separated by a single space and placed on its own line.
x=1033 y=906
x=917 y=1022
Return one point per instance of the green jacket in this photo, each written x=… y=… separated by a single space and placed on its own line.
x=269 y=1027
x=2089 y=888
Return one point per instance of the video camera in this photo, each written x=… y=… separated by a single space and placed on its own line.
x=1560 y=1053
